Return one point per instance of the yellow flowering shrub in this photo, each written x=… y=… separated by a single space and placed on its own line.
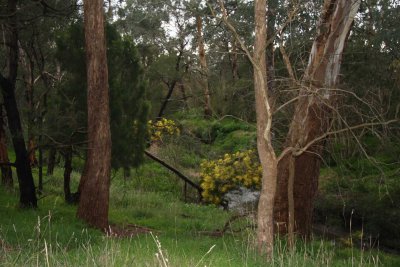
x=227 y=173
x=160 y=128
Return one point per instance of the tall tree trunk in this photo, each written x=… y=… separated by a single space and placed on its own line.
x=265 y=221
x=312 y=116
x=95 y=183
x=24 y=173
x=6 y=172
x=203 y=67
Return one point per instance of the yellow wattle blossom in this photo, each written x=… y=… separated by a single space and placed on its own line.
x=161 y=128
x=229 y=172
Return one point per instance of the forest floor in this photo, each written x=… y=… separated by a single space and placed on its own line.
x=156 y=228
x=156 y=221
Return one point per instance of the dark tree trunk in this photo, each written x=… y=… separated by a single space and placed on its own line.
x=6 y=172
x=67 y=175
x=51 y=161
x=312 y=118
x=234 y=61
x=24 y=173
x=95 y=182
x=40 y=181
x=171 y=87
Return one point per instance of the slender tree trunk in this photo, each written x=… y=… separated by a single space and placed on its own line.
x=171 y=85
x=265 y=221
x=51 y=161
x=203 y=67
x=312 y=116
x=183 y=92
x=67 y=175
x=234 y=61
x=6 y=172
x=24 y=173
x=95 y=182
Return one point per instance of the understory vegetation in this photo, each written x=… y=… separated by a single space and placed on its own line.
x=159 y=223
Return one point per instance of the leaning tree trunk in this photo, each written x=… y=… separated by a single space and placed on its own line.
x=24 y=173
x=6 y=173
x=203 y=67
x=312 y=118
x=95 y=182
x=265 y=220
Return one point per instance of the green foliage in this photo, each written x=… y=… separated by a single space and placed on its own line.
x=127 y=92
x=231 y=171
x=368 y=203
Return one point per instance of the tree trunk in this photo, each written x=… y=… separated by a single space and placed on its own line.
x=24 y=173
x=6 y=172
x=203 y=67
x=67 y=175
x=265 y=221
x=51 y=161
x=171 y=85
x=95 y=183
x=312 y=116
x=234 y=61
x=28 y=66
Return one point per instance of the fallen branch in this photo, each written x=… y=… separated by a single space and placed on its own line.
x=177 y=172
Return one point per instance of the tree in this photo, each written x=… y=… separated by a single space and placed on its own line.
x=266 y=153
x=6 y=172
x=299 y=165
x=26 y=184
x=128 y=109
x=203 y=66
x=264 y=113
x=95 y=181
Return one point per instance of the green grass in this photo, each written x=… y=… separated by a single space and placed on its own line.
x=52 y=236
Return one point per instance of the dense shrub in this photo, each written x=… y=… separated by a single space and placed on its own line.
x=232 y=171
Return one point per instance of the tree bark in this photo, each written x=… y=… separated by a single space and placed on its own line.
x=67 y=175
x=6 y=172
x=312 y=116
x=95 y=182
x=26 y=185
x=265 y=221
x=203 y=67
x=28 y=66
x=234 y=61
x=51 y=161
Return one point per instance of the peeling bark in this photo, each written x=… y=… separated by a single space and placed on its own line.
x=312 y=116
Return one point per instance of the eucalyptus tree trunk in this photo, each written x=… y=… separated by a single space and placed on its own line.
x=25 y=179
x=203 y=67
x=299 y=169
x=265 y=220
x=95 y=182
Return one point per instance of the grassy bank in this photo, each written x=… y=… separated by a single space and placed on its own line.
x=52 y=236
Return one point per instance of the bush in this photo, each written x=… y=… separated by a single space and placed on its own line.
x=230 y=172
